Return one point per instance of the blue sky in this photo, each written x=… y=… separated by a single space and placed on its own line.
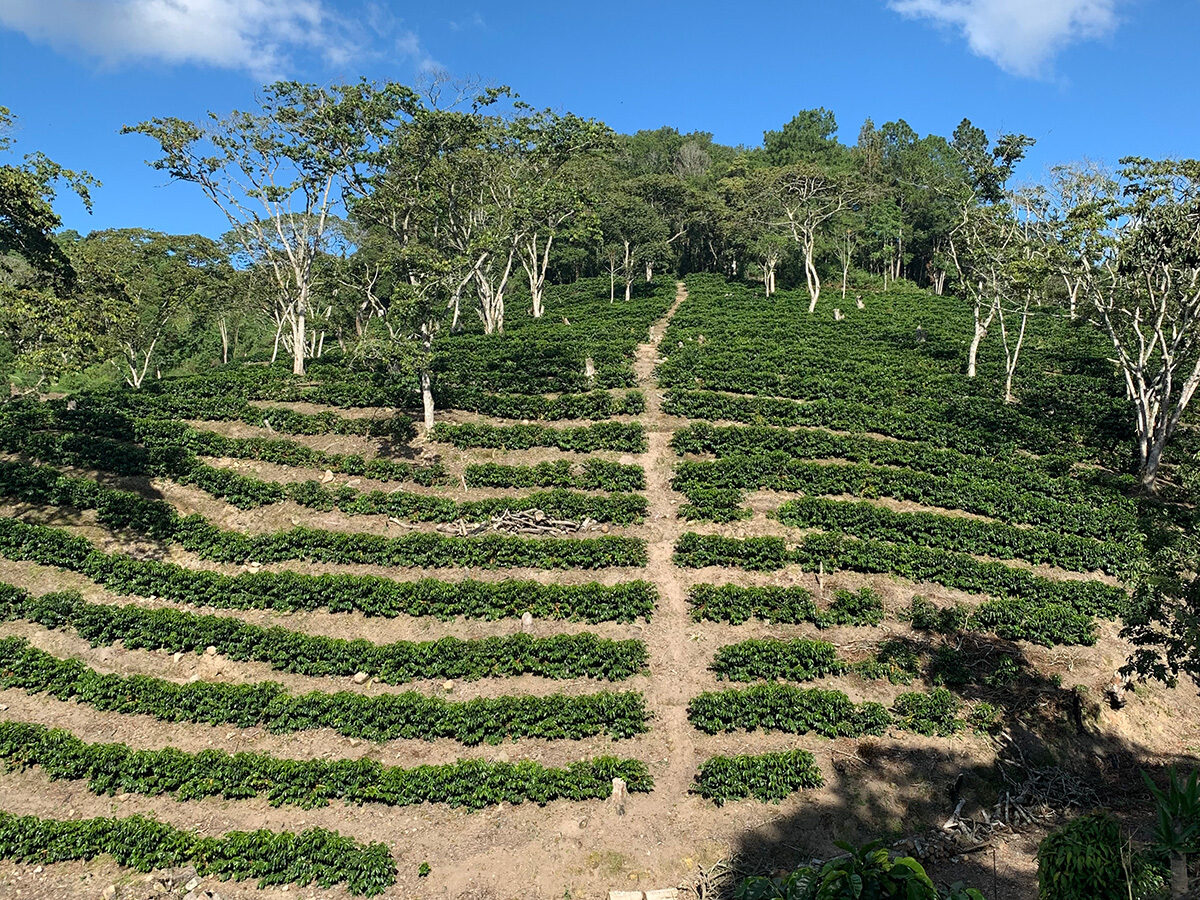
x=1086 y=78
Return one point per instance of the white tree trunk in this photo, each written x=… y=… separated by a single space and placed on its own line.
x=298 y=346
x=491 y=294
x=536 y=263
x=427 y=398
x=981 y=329
x=810 y=271
x=137 y=373
x=629 y=271
x=1012 y=346
x=1073 y=286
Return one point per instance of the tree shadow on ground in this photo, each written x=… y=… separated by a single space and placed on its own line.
x=897 y=788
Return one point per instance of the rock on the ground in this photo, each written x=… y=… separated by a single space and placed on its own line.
x=361 y=677
x=620 y=793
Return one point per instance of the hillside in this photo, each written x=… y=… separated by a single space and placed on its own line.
x=794 y=578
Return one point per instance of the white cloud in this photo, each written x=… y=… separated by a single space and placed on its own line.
x=475 y=20
x=1020 y=36
x=410 y=46
x=256 y=36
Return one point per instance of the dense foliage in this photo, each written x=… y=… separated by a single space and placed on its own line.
x=379 y=717
x=593 y=475
x=283 y=591
x=271 y=857
x=560 y=656
x=736 y=604
x=1090 y=858
x=470 y=783
x=908 y=560
x=629 y=438
x=767 y=776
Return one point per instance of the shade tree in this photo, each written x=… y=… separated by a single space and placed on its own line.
x=1139 y=270
x=279 y=173
x=53 y=320
x=804 y=199
x=161 y=277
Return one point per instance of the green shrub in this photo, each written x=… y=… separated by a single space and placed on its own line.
x=869 y=872
x=283 y=591
x=765 y=659
x=562 y=656
x=271 y=857
x=1106 y=518
x=381 y=717
x=1091 y=858
x=906 y=560
x=779 y=707
x=625 y=438
x=792 y=605
x=470 y=783
x=984 y=718
x=981 y=538
x=934 y=713
x=592 y=475
x=766 y=777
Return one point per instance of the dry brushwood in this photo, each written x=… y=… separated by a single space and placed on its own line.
x=1030 y=796
x=530 y=521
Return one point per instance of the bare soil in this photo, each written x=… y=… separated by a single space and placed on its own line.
x=890 y=787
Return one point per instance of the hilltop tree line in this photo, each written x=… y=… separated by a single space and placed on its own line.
x=373 y=218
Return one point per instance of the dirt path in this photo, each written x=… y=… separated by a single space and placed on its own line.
x=670 y=661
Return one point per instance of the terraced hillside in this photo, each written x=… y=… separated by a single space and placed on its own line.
x=792 y=579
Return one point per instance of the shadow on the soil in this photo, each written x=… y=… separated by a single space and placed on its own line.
x=879 y=788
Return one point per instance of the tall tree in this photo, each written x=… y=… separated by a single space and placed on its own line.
x=809 y=138
x=161 y=276
x=278 y=173
x=557 y=195
x=805 y=198
x=1140 y=271
x=635 y=237
x=985 y=241
x=53 y=320
x=417 y=202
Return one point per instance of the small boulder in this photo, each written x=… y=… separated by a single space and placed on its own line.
x=620 y=793
x=1116 y=692
x=360 y=677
